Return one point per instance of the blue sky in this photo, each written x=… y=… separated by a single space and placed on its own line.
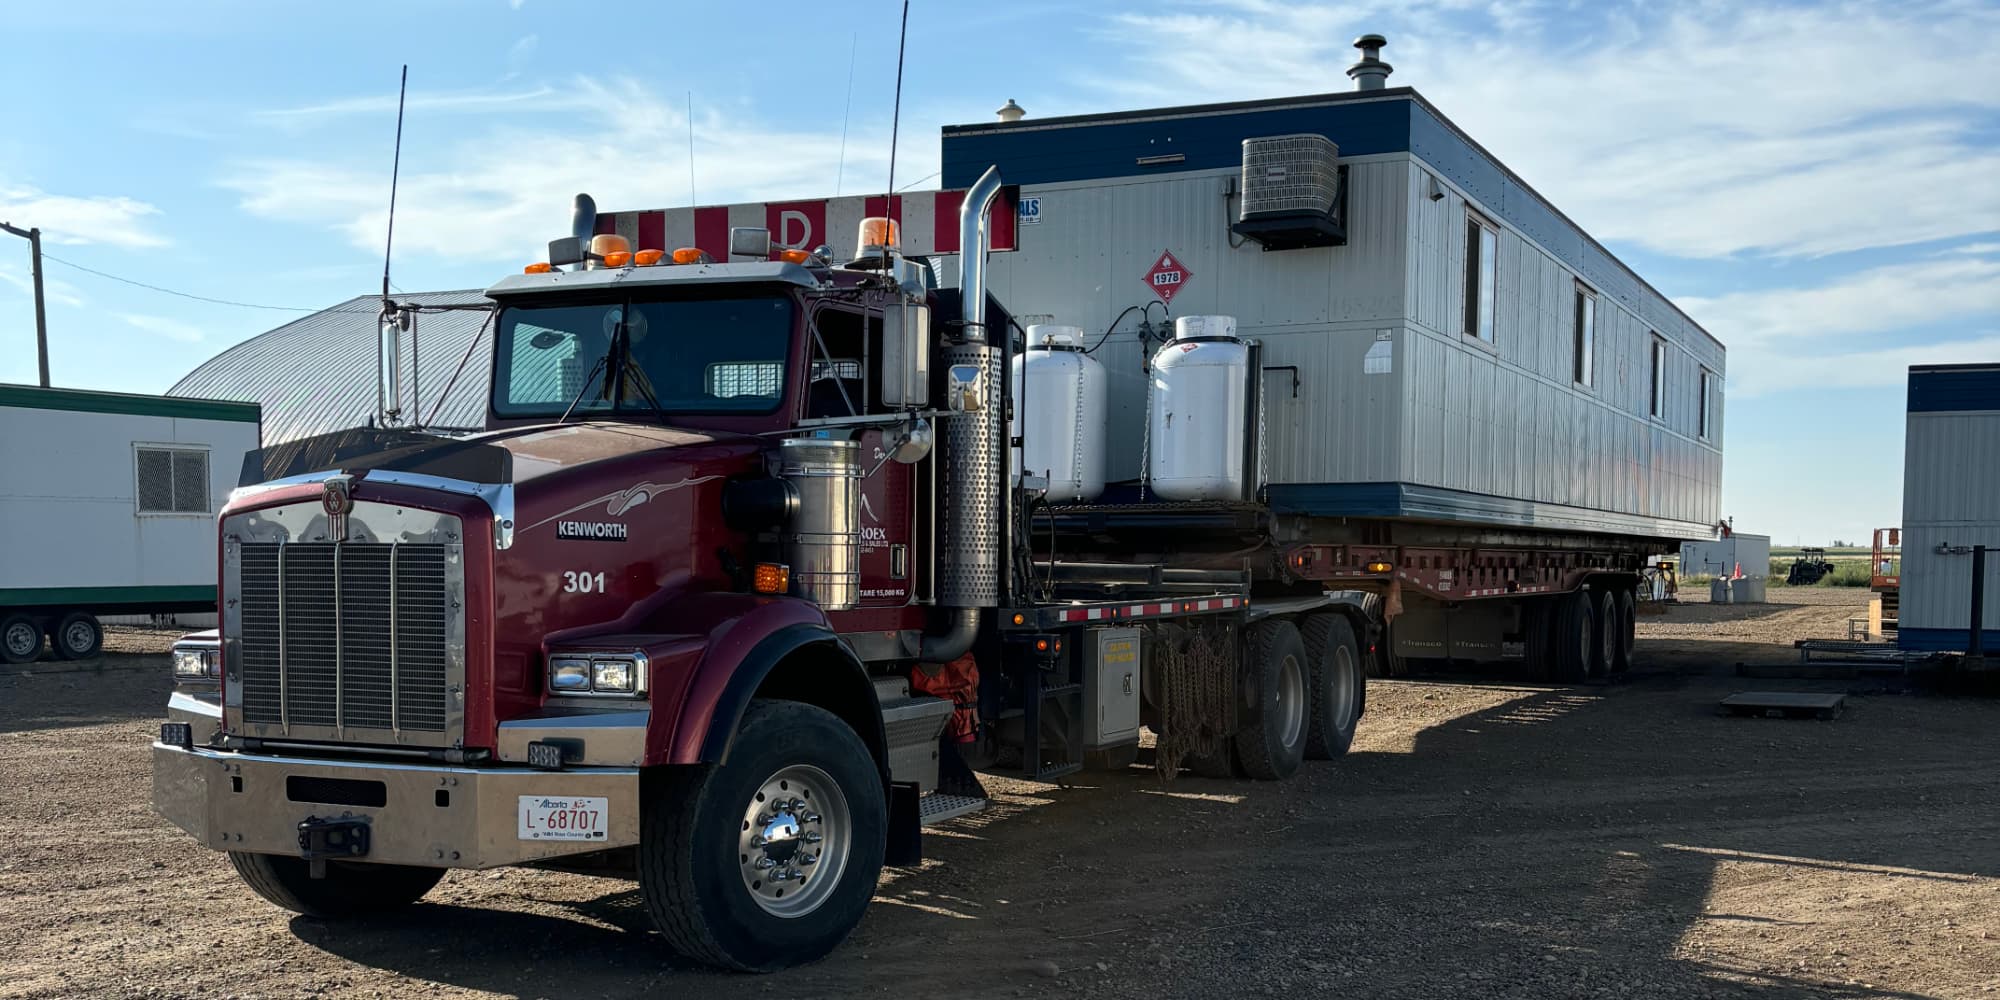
x=1818 y=184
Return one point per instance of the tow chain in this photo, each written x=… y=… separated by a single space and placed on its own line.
x=1197 y=687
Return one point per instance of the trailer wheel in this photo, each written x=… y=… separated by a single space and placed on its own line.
x=1571 y=637
x=1537 y=628
x=1273 y=741
x=1606 y=634
x=20 y=639
x=348 y=890
x=1628 y=628
x=77 y=636
x=1338 y=685
x=768 y=859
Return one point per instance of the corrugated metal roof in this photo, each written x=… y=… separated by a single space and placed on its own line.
x=316 y=375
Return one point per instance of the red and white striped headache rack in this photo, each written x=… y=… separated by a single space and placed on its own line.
x=926 y=220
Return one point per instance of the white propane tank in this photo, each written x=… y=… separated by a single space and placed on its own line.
x=1199 y=402
x=1061 y=390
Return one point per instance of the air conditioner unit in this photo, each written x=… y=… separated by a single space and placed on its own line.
x=1294 y=192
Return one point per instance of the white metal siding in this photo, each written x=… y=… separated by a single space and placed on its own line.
x=1951 y=496
x=68 y=510
x=1087 y=259
x=1467 y=402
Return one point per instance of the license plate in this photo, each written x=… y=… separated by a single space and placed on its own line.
x=545 y=817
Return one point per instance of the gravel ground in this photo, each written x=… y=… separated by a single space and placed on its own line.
x=1483 y=839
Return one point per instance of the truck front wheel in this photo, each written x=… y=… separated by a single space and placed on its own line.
x=768 y=859
x=349 y=889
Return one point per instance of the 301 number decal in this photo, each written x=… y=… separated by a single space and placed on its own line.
x=582 y=583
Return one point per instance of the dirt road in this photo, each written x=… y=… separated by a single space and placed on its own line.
x=1482 y=840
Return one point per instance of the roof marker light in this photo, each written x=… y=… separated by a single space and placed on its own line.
x=692 y=255
x=795 y=256
x=618 y=258
x=537 y=269
x=647 y=258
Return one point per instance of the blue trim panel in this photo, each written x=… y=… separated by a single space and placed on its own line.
x=1207 y=142
x=1944 y=640
x=1954 y=390
x=1410 y=501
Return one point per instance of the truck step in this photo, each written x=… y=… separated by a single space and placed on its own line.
x=938 y=807
x=1054 y=771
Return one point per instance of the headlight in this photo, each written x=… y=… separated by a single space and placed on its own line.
x=622 y=674
x=196 y=663
x=569 y=676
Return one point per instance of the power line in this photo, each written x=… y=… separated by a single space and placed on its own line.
x=169 y=291
x=249 y=305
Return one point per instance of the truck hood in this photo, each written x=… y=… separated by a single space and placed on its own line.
x=515 y=455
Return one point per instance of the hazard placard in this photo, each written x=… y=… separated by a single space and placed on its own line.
x=1168 y=276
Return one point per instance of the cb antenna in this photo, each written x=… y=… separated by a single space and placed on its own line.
x=395 y=168
x=895 y=123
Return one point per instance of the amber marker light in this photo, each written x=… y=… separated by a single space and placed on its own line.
x=618 y=258
x=795 y=256
x=772 y=578
x=537 y=269
x=1380 y=567
x=691 y=255
x=647 y=258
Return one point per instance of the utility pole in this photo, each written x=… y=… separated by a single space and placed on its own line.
x=34 y=238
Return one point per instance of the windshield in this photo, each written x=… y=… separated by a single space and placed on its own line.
x=722 y=355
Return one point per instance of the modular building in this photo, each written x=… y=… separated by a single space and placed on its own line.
x=1951 y=503
x=107 y=505
x=1723 y=557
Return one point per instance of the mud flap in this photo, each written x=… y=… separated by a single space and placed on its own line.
x=906 y=831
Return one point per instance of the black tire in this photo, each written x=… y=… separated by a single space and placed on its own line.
x=350 y=889
x=77 y=636
x=1571 y=632
x=693 y=873
x=20 y=639
x=1628 y=629
x=1338 y=684
x=1272 y=742
x=1606 y=634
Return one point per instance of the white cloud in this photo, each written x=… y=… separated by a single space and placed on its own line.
x=99 y=219
x=521 y=51
x=171 y=329
x=501 y=193
x=1708 y=131
x=543 y=98
x=1833 y=334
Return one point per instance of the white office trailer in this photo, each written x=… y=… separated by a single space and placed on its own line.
x=107 y=506
x=1951 y=505
x=1443 y=344
x=1724 y=556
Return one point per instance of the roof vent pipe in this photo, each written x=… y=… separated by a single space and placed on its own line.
x=1371 y=73
x=1011 y=112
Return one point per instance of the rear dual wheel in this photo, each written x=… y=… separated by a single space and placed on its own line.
x=1337 y=685
x=20 y=639
x=1272 y=741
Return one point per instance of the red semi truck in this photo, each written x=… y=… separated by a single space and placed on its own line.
x=738 y=592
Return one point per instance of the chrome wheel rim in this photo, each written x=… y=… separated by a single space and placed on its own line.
x=1290 y=706
x=1344 y=673
x=76 y=638
x=22 y=639
x=794 y=841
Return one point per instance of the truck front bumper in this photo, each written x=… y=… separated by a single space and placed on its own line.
x=417 y=814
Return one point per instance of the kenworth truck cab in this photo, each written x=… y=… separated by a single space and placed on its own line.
x=707 y=605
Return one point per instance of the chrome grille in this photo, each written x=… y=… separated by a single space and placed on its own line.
x=346 y=639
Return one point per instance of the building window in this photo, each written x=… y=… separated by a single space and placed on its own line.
x=1706 y=380
x=173 y=481
x=1657 y=405
x=1482 y=251
x=1586 y=335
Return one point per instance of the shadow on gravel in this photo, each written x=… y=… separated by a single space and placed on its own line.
x=1566 y=842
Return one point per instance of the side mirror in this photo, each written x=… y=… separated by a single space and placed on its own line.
x=906 y=355
x=914 y=444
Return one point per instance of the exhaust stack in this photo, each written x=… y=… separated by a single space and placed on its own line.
x=1371 y=73
x=970 y=480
